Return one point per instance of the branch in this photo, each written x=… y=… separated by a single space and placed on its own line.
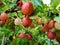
x=1 y=3
x=13 y=9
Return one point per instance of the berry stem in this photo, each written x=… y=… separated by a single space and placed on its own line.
x=27 y=16
x=17 y=14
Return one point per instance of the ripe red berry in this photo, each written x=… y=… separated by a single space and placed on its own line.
x=51 y=24
x=57 y=38
x=3 y=16
x=22 y=35
x=7 y=21
x=1 y=23
x=26 y=21
x=45 y=28
x=31 y=25
x=28 y=37
x=51 y=35
x=27 y=8
x=20 y=3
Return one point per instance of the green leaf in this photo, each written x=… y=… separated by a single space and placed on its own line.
x=54 y=3
x=57 y=19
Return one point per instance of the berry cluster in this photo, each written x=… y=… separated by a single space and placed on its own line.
x=27 y=9
x=50 y=27
x=4 y=19
x=27 y=36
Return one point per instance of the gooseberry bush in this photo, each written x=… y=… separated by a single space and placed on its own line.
x=29 y=22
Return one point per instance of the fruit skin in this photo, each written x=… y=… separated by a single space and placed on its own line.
x=22 y=35
x=38 y=19
x=17 y=21
x=57 y=25
x=7 y=20
x=51 y=24
x=57 y=38
x=27 y=8
x=45 y=28
x=3 y=16
x=32 y=25
x=1 y=23
x=28 y=37
x=26 y=21
x=20 y=3
x=51 y=35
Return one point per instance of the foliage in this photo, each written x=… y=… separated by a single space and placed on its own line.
x=41 y=10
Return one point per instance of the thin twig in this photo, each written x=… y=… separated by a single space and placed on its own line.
x=3 y=40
